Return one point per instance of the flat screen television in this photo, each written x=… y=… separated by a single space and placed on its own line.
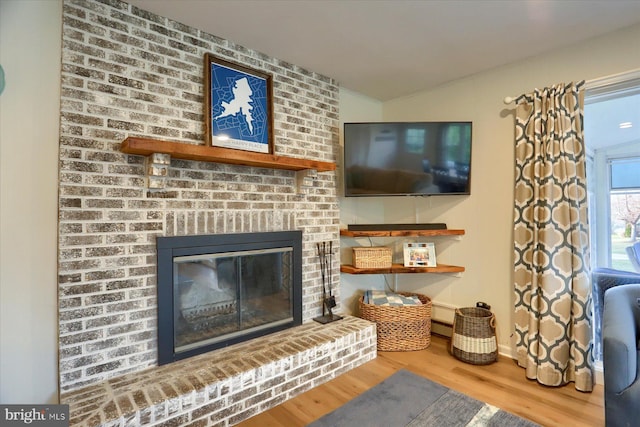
x=407 y=158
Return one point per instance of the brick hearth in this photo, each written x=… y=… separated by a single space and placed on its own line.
x=229 y=385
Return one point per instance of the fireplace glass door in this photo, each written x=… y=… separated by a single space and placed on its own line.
x=223 y=295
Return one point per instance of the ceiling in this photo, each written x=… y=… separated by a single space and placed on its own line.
x=386 y=49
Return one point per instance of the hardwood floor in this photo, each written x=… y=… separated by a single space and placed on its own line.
x=502 y=384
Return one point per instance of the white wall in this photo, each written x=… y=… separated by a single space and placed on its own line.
x=30 y=33
x=487 y=214
x=355 y=107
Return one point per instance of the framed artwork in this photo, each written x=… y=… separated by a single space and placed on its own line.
x=238 y=106
x=419 y=255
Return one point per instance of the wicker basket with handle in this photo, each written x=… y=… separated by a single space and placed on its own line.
x=405 y=328
x=474 y=335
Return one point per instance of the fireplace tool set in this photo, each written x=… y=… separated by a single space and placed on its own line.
x=328 y=299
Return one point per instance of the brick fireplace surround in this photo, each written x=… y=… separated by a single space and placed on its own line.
x=127 y=72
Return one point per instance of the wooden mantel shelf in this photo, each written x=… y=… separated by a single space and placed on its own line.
x=186 y=151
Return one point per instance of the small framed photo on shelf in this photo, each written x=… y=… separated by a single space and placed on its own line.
x=419 y=255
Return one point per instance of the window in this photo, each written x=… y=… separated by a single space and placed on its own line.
x=415 y=140
x=612 y=139
x=624 y=209
x=456 y=150
x=625 y=174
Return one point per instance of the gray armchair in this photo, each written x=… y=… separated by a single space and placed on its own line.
x=602 y=280
x=633 y=252
x=621 y=357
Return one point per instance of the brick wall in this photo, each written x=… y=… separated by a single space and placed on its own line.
x=127 y=72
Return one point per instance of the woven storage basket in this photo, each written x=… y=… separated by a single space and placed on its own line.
x=372 y=257
x=406 y=328
x=474 y=335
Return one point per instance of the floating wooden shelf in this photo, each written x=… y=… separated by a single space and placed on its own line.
x=400 y=233
x=399 y=268
x=185 y=151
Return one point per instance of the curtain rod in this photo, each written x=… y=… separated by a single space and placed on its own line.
x=597 y=82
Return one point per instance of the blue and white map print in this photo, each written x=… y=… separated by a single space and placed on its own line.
x=239 y=116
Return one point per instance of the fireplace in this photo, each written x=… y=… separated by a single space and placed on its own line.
x=222 y=289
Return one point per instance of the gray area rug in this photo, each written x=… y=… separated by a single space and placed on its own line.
x=406 y=399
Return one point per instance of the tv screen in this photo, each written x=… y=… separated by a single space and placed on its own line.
x=407 y=159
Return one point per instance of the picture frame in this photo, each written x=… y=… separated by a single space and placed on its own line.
x=419 y=254
x=238 y=106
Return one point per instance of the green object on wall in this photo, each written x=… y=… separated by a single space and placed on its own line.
x=1 y=79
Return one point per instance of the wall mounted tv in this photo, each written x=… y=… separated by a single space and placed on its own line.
x=407 y=159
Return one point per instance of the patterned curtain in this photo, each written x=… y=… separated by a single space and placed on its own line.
x=552 y=284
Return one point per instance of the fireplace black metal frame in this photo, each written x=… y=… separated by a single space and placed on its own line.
x=170 y=247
